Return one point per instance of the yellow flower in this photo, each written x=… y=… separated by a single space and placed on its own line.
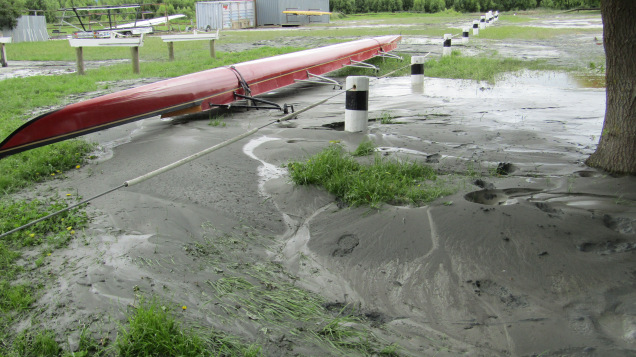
x=32 y=235
x=77 y=167
x=69 y=228
x=68 y=194
x=53 y=174
x=184 y=307
x=73 y=232
x=48 y=255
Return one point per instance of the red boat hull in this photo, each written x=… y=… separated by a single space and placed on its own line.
x=201 y=90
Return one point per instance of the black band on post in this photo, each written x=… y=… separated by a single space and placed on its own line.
x=357 y=100
x=417 y=68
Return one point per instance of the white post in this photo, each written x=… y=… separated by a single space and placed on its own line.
x=476 y=28
x=482 y=22
x=417 y=70
x=465 y=31
x=447 y=44
x=357 y=104
x=496 y=15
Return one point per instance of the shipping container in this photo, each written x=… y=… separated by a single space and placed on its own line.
x=270 y=12
x=29 y=29
x=224 y=15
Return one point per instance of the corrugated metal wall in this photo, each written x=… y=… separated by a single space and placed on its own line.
x=29 y=29
x=225 y=14
x=270 y=12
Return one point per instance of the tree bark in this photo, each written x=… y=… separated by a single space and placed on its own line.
x=616 y=151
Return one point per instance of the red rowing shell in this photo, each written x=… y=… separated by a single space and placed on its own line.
x=200 y=90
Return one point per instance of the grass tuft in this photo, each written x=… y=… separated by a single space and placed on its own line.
x=152 y=331
x=365 y=148
x=478 y=68
x=385 y=181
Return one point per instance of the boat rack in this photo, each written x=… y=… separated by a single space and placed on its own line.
x=317 y=79
x=357 y=64
x=390 y=55
x=268 y=104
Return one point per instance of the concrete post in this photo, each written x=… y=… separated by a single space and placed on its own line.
x=417 y=70
x=465 y=32
x=476 y=28
x=447 y=44
x=357 y=104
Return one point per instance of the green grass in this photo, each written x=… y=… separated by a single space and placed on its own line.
x=365 y=148
x=529 y=32
x=385 y=181
x=34 y=344
x=485 y=68
x=17 y=298
x=151 y=330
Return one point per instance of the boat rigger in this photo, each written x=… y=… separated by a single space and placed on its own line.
x=191 y=93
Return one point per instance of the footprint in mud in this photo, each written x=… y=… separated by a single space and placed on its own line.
x=499 y=197
x=338 y=126
x=487 y=197
x=505 y=168
x=346 y=244
x=607 y=247
x=483 y=184
x=623 y=225
x=491 y=288
x=588 y=174
x=548 y=208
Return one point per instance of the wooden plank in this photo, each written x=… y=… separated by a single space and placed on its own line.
x=135 y=59
x=191 y=37
x=171 y=51
x=105 y=42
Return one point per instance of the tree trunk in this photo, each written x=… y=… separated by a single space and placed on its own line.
x=616 y=151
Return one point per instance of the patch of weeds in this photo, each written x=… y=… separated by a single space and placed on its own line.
x=217 y=121
x=40 y=343
x=56 y=230
x=341 y=333
x=18 y=298
x=387 y=118
x=384 y=181
x=481 y=68
x=365 y=148
x=392 y=350
x=152 y=330
x=41 y=164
